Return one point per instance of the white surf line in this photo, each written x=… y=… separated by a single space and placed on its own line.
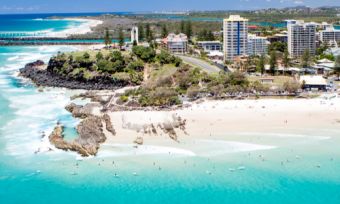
x=117 y=150
x=220 y=147
x=283 y=135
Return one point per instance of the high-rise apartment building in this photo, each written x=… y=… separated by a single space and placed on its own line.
x=257 y=45
x=235 y=37
x=301 y=37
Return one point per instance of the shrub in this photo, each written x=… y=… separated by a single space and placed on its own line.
x=136 y=66
x=124 y=98
x=147 y=54
x=291 y=86
x=193 y=92
x=86 y=55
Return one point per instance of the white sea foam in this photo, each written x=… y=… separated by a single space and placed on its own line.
x=220 y=147
x=285 y=135
x=118 y=150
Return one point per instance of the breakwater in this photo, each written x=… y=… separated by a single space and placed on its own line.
x=47 y=41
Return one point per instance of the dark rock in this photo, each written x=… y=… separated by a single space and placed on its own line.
x=108 y=124
x=50 y=77
x=139 y=141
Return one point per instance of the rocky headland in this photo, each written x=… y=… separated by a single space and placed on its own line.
x=42 y=75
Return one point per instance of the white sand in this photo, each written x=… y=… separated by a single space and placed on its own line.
x=210 y=124
x=84 y=28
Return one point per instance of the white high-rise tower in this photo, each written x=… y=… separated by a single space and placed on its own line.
x=235 y=37
x=301 y=37
x=134 y=34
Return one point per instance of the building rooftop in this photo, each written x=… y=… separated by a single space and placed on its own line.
x=313 y=80
x=235 y=18
x=176 y=38
x=215 y=41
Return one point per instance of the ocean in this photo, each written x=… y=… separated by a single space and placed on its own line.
x=303 y=167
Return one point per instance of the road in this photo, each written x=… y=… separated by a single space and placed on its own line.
x=200 y=63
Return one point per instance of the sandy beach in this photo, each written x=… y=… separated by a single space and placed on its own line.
x=226 y=126
x=84 y=28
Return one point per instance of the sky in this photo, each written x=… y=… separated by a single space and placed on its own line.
x=77 y=6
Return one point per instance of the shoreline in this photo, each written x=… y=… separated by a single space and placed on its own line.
x=223 y=125
x=85 y=27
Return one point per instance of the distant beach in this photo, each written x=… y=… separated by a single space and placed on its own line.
x=85 y=27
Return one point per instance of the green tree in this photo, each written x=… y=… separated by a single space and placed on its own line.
x=107 y=37
x=164 y=31
x=305 y=58
x=182 y=27
x=120 y=37
x=188 y=29
x=277 y=46
x=261 y=64
x=286 y=60
x=116 y=55
x=202 y=35
x=147 y=54
x=141 y=32
x=210 y=36
x=148 y=33
x=99 y=56
x=272 y=62
x=86 y=55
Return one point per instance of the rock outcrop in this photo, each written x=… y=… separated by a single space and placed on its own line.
x=90 y=137
x=108 y=124
x=139 y=141
x=168 y=127
x=46 y=75
x=57 y=139
x=79 y=111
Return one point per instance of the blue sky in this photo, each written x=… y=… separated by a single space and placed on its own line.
x=50 y=6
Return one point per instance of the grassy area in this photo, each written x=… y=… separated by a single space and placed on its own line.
x=162 y=71
x=278 y=80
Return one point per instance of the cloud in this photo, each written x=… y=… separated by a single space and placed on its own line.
x=19 y=8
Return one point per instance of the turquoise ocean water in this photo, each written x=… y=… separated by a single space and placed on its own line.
x=304 y=171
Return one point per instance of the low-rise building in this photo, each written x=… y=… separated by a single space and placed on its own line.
x=278 y=38
x=177 y=44
x=257 y=45
x=325 y=26
x=208 y=46
x=324 y=66
x=313 y=82
x=330 y=36
x=216 y=56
